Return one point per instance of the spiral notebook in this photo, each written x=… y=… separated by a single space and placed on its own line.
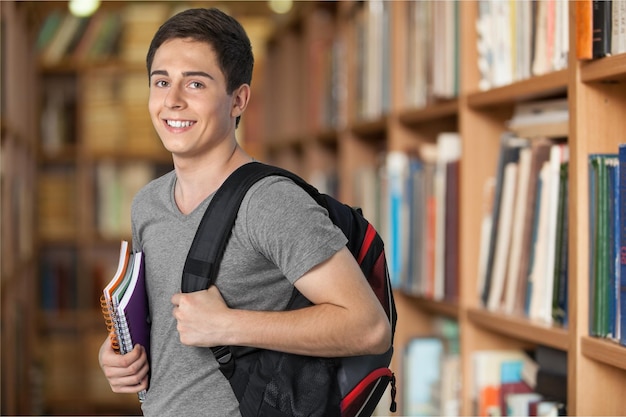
x=125 y=304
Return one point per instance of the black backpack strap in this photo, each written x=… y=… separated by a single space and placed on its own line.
x=207 y=249
x=209 y=243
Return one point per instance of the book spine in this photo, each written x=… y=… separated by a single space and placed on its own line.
x=601 y=43
x=622 y=240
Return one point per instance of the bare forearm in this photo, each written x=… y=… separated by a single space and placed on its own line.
x=320 y=330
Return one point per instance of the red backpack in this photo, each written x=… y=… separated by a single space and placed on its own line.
x=270 y=383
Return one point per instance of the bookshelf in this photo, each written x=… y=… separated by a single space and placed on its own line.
x=17 y=176
x=317 y=120
x=97 y=149
x=356 y=142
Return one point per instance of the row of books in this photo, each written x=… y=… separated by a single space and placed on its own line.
x=116 y=185
x=64 y=37
x=600 y=28
x=58 y=282
x=432 y=51
x=513 y=382
x=57 y=202
x=524 y=264
x=373 y=59
x=520 y=39
x=58 y=115
x=523 y=255
x=431 y=372
x=413 y=201
x=607 y=245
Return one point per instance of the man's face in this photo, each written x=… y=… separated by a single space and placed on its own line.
x=189 y=106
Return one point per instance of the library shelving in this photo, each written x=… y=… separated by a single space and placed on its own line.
x=381 y=102
x=18 y=178
x=96 y=148
x=343 y=85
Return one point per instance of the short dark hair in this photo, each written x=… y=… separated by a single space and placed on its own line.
x=223 y=32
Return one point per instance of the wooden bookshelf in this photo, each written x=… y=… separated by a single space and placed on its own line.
x=596 y=96
x=98 y=139
x=311 y=95
x=18 y=98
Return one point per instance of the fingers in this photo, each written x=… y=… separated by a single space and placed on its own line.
x=126 y=373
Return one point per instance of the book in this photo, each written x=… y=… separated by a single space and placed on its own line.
x=618 y=27
x=622 y=239
x=551 y=359
x=501 y=256
x=397 y=171
x=601 y=42
x=551 y=385
x=451 y=267
x=448 y=151
x=487 y=372
x=600 y=264
x=518 y=404
x=540 y=152
x=511 y=382
x=423 y=370
x=584 y=29
x=48 y=29
x=559 y=299
x=521 y=191
x=125 y=305
x=539 y=249
x=510 y=146
x=540 y=118
x=542 y=272
x=613 y=247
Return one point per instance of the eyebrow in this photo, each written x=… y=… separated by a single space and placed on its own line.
x=185 y=74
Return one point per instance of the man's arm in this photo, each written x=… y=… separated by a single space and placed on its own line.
x=346 y=318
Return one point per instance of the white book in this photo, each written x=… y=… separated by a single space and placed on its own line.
x=518 y=229
x=537 y=278
x=504 y=236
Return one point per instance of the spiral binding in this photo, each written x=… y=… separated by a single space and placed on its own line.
x=109 y=321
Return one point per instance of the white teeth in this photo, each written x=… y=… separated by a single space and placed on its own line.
x=179 y=123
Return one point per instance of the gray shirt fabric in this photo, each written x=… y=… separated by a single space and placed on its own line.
x=280 y=234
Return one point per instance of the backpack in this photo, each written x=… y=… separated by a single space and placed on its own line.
x=269 y=383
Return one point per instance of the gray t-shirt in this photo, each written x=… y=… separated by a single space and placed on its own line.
x=279 y=235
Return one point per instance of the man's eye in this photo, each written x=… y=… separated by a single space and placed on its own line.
x=195 y=84
x=161 y=83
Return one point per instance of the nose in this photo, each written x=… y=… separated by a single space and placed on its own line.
x=174 y=99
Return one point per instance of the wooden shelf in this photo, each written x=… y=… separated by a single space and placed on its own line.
x=520 y=328
x=604 y=351
x=439 y=308
x=607 y=69
x=442 y=110
x=544 y=86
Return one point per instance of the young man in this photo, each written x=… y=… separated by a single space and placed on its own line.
x=200 y=67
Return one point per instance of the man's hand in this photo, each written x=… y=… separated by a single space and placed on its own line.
x=126 y=373
x=200 y=316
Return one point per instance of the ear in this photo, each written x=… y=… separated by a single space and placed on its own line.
x=241 y=96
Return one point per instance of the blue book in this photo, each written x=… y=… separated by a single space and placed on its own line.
x=622 y=241
x=611 y=170
x=422 y=369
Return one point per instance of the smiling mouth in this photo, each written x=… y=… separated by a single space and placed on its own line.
x=179 y=123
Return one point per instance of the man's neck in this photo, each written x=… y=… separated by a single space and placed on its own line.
x=196 y=181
